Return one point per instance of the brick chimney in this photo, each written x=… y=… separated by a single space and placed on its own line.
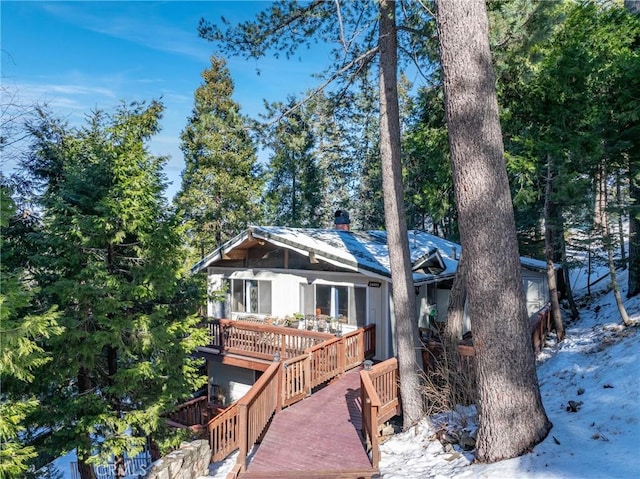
x=342 y=220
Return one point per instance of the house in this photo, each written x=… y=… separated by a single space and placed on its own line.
x=272 y=271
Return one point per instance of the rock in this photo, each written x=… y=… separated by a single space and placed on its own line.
x=574 y=406
x=467 y=442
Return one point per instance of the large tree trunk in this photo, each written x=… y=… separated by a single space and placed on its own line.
x=548 y=246
x=511 y=415
x=84 y=453
x=455 y=310
x=404 y=306
x=634 y=232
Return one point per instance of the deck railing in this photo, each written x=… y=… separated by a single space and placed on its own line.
x=380 y=386
x=261 y=341
x=283 y=383
x=380 y=401
x=224 y=433
x=193 y=415
x=540 y=325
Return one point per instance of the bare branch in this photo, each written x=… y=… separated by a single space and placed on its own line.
x=362 y=59
x=414 y=59
x=341 y=25
x=423 y=5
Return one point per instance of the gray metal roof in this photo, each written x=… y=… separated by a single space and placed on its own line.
x=432 y=258
x=363 y=251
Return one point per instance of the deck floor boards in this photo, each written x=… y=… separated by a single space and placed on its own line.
x=319 y=433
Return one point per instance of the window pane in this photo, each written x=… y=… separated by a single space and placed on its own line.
x=252 y=295
x=265 y=297
x=237 y=296
x=341 y=300
x=361 y=306
x=323 y=299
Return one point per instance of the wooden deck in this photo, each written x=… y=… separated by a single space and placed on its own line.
x=319 y=437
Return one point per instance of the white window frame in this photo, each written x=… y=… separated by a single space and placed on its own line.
x=309 y=305
x=263 y=294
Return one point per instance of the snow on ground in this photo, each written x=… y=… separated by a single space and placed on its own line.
x=596 y=367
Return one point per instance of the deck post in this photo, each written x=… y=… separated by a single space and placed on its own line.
x=375 y=445
x=307 y=374
x=243 y=431
x=280 y=398
x=342 y=356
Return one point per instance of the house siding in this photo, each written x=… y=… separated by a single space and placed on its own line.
x=231 y=381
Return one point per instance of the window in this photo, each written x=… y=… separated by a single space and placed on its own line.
x=250 y=296
x=336 y=301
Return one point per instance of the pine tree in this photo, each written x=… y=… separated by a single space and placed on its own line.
x=511 y=415
x=428 y=167
x=221 y=187
x=111 y=257
x=24 y=325
x=294 y=186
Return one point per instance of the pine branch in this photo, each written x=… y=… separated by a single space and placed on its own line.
x=362 y=59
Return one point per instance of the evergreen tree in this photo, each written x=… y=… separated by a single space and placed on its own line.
x=24 y=325
x=336 y=153
x=295 y=182
x=560 y=124
x=428 y=168
x=111 y=257
x=221 y=187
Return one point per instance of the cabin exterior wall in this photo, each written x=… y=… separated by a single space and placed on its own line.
x=292 y=292
x=229 y=383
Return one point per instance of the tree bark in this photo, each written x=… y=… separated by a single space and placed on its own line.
x=602 y=225
x=511 y=415
x=548 y=246
x=455 y=310
x=408 y=346
x=84 y=468
x=620 y=207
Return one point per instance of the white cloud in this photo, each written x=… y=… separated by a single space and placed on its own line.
x=135 y=22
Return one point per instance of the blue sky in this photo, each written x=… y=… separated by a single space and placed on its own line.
x=79 y=56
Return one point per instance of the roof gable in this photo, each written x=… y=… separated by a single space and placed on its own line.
x=363 y=251
x=432 y=258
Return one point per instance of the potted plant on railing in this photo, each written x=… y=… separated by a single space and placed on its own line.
x=294 y=321
x=309 y=322
x=323 y=322
x=333 y=325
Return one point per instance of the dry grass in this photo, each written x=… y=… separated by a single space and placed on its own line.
x=448 y=381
